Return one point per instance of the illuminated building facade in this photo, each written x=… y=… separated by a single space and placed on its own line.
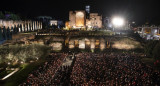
x=78 y=20
x=56 y=23
x=95 y=21
x=84 y=20
x=149 y=32
x=53 y=22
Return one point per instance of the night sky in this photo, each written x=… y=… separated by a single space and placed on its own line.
x=134 y=10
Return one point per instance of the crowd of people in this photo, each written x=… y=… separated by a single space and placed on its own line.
x=112 y=70
x=45 y=73
x=91 y=69
x=62 y=76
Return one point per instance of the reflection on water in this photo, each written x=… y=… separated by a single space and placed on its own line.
x=82 y=43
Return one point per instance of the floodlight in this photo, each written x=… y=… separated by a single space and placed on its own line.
x=117 y=21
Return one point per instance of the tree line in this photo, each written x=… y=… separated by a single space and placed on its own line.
x=9 y=16
x=23 y=53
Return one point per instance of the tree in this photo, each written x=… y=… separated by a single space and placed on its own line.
x=4 y=51
x=149 y=48
x=11 y=16
x=14 y=30
x=14 y=17
x=18 y=53
x=1 y=36
x=156 y=51
x=9 y=34
x=4 y=33
x=1 y=15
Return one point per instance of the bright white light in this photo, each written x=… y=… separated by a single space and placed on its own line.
x=9 y=63
x=21 y=62
x=110 y=25
x=156 y=31
x=117 y=21
x=133 y=22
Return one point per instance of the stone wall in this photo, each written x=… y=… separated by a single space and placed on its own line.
x=96 y=20
x=72 y=19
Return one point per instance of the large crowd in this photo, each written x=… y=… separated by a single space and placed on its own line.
x=112 y=70
x=90 y=69
x=45 y=73
x=62 y=76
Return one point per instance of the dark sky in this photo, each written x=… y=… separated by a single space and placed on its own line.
x=137 y=10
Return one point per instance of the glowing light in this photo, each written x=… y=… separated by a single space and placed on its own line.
x=71 y=44
x=110 y=25
x=156 y=31
x=79 y=19
x=22 y=62
x=56 y=46
x=102 y=44
x=126 y=44
x=82 y=44
x=9 y=63
x=92 y=44
x=133 y=22
x=117 y=21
